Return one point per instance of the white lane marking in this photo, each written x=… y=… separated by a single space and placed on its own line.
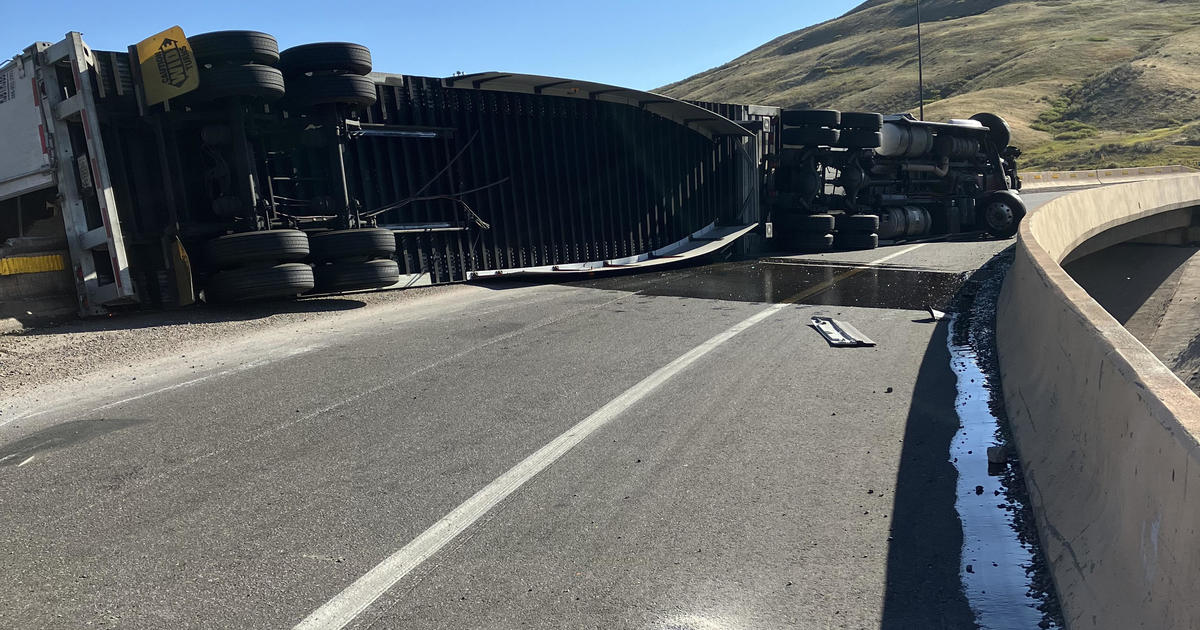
x=894 y=255
x=26 y=461
x=356 y=598
x=351 y=602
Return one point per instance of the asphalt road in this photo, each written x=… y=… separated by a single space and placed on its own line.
x=661 y=451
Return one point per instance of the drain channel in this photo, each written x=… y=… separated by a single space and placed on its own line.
x=996 y=563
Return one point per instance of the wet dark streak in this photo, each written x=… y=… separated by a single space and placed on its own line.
x=764 y=282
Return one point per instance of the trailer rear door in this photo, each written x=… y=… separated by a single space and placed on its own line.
x=24 y=160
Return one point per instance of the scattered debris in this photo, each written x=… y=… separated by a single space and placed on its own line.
x=840 y=334
x=997 y=455
x=935 y=314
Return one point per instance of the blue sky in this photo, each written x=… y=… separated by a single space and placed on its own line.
x=633 y=44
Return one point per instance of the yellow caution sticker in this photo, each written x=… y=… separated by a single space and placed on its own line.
x=30 y=264
x=168 y=66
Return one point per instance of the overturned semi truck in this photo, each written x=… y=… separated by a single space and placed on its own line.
x=216 y=167
x=849 y=179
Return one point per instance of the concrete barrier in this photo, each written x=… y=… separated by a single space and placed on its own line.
x=1107 y=435
x=1041 y=180
x=1060 y=180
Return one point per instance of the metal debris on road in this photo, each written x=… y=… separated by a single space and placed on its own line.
x=840 y=334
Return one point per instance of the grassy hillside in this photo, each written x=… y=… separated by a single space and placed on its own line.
x=1084 y=83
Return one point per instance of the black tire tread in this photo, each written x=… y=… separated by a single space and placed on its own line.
x=259 y=283
x=354 y=276
x=247 y=80
x=857 y=240
x=810 y=117
x=236 y=47
x=815 y=223
x=867 y=121
x=341 y=57
x=813 y=241
x=810 y=136
x=267 y=246
x=865 y=223
x=352 y=89
x=859 y=139
x=356 y=243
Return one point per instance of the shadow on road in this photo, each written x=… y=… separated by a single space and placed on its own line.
x=924 y=585
x=58 y=436
x=199 y=314
x=761 y=281
x=923 y=588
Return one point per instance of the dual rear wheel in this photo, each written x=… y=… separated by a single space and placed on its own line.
x=349 y=260
x=829 y=127
x=268 y=264
x=248 y=64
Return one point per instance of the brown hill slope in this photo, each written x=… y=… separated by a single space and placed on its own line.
x=1083 y=82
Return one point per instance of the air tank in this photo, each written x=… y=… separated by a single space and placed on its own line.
x=900 y=140
x=905 y=221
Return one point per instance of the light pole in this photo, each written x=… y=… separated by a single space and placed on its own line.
x=920 y=65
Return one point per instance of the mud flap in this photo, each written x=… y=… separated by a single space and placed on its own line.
x=185 y=290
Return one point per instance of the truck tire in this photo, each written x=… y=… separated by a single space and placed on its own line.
x=810 y=136
x=859 y=139
x=343 y=244
x=814 y=223
x=267 y=246
x=249 y=81
x=326 y=89
x=1002 y=214
x=354 y=276
x=810 y=117
x=998 y=130
x=333 y=57
x=260 y=283
x=866 y=121
x=814 y=241
x=858 y=223
x=857 y=240
x=237 y=47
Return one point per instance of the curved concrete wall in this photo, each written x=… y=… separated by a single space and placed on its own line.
x=1107 y=435
x=1041 y=180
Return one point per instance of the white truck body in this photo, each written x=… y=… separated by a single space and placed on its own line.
x=25 y=164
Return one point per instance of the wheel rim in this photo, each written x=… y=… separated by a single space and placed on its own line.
x=999 y=215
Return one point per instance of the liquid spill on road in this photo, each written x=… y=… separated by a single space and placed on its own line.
x=875 y=287
x=996 y=562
